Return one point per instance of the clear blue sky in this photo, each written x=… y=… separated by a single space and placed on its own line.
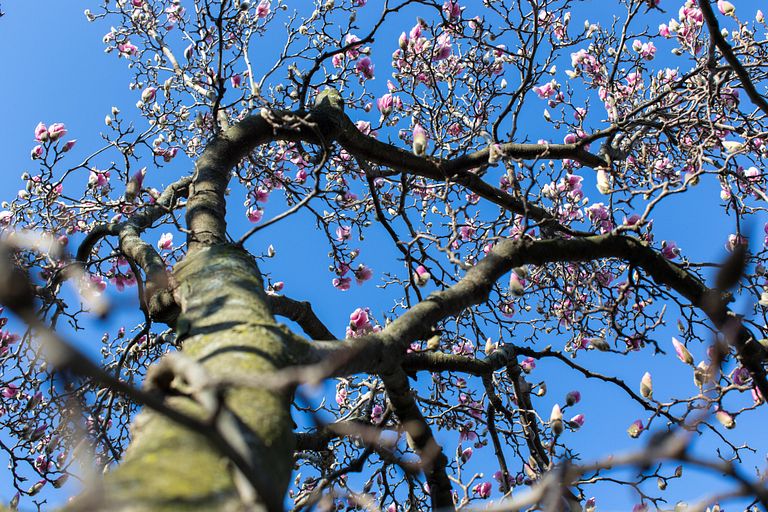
x=55 y=70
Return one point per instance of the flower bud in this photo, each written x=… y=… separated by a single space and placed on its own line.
x=725 y=419
x=556 y=420
x=646 y=386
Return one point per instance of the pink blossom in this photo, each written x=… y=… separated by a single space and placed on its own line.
x=98 y=179
x=37 y=152
x=98 y=282
x=137 y=3
x=254 y=214
x=573 y=397
x=528 y=364
x=343 y=233
x=342 y=283
x=483 y=490
x=422 y=276
x=669 y=250
x=127 y=49
x=420 y=139
x=635 y=429
x=376 y=413
x=465 y=454
x=443 y=48
x=359 y=319
x=236 y=80
x=451 y=9
x=740 y=376
x=682 y=351
x=148 y=94
x=262 y=10
x=385 y=104
x=364 y=66
x=463 y=348
x=577 y=420
x=725 y=7
x=166 y=242
x=341 y=395
x=547 y=90
x=10 y=391
x=56 y=131
x=261 y=194
x=68 y=145
x=363 y=274
x=41 y=132
x=467 y=231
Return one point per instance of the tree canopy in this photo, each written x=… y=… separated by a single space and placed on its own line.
x=396 y=255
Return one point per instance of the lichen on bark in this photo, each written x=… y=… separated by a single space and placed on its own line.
x=230 y=331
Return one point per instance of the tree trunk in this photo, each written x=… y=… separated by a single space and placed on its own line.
x=227 y=327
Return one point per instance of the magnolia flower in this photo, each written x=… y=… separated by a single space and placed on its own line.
x=732 y=146
x=669 y=249
x=41 y=132
x=362 y=274
x=556 y=420
x=682 y=352
x=10 y=391
x=166 y=242
x=262 y=10
x=490 y=346
x=254 y=214
x=56 y=131
x=516 y=287
x=577 y=421
x=483 y=489
x=364 y=66
x=725 y=7
x=343 y=233
x=419 y=140
x=359 y=319
x=646 y=385
x=376 y=413
x=528 y=364
x=603 y=182
x=465 y=454
x=572 y=398
x=148 y=94
x=635 y=429
x=342 y=283
x=422 y=276
x=68 y=145
x=385 y=104
x=725 y=419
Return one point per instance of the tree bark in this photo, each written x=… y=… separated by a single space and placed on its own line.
x=228 y=328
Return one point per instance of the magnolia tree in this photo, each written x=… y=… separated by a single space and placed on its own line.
x=513 y=157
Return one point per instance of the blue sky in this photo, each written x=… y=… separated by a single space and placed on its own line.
x=55 y=70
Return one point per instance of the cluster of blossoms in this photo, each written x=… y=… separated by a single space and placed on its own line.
x=360 y=323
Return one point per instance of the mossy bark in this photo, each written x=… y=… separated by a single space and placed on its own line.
x=229 y=329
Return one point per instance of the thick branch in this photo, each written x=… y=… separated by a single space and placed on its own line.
x=300 y=312
x=730 y=57
x=384 y=350
x=326 y=123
